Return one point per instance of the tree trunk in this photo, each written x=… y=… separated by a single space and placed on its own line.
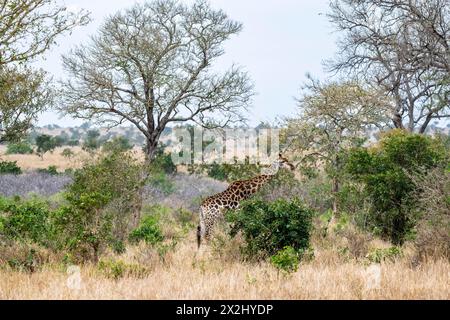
x=333 y=220
x=137 y=208
x=335 y=181
x=424 y=126
x=334 y=191
x=398 y=123
x=95 y=248
x=151 y=147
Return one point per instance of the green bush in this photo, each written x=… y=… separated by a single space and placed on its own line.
x=161 y=181
x=51 y=170
x=286 y=260
x=217 y=171
x=7 y=167
x=185 y=218
x=385 y=172
x=22 y=147
x=118 y=144
x=228 y=171
x=379 y=255
x=46 y=143
x=160 y=169
x=73 y=143
x=270 y=227
x=163 y=162
x=91 y=141
x=60 y=140
x=235 y=171
x=148 y=231
x=28 y=221
x=117 y=269
x=67 y=153
x=101 y=203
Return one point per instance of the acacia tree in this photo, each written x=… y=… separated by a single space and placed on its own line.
x=151 y=66
x=332 y=117
x=401 y=47
x=45 y=143
x=27 y=29
x=24 y=94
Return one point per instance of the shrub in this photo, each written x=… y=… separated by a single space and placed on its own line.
x=217 y=171
x=163 y=162
x=67 y=153
x=73 y=143
x=161 y=181
x=118 y=144
x=51 y=170
x=26 y=221
x=232 y=172
x=352 y=198
x=283 y=185
x=148 y=231
x=45 y=143
x=7 y=167
x=379 y=255
x=117 y=269
x=286 y=260
x=22 y=147
x=269 y=227
x=386 y=171
x=23 y=257
x=433 y=229
x=60 y=140
x=101 y=204
x=91 y=142
x=160 y=171
x=228 y=171
x=185 y=218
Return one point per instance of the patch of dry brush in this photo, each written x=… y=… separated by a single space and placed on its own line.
x=185 y=275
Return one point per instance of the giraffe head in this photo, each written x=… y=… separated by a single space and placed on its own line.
x=280 y=163
x=283 y=162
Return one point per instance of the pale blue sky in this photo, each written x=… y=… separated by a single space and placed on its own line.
x=281 y=41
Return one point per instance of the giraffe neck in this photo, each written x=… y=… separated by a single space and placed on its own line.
x=272 y=170
x=252 y=186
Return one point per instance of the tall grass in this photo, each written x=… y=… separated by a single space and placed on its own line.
x=185 y=275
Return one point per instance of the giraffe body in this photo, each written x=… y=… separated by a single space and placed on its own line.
x=214 y=207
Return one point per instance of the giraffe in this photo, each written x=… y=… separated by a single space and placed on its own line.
x=213 y=207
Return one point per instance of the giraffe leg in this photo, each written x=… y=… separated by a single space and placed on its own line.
x=201 y=231
x=199 y=236
x=210 y=221
x=201 y=227
x=208 y=218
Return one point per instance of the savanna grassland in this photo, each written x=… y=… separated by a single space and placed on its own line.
x=341 y=266
x=352 y=202
x=184 y=276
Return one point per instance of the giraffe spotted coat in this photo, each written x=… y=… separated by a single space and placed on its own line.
x=213 y=207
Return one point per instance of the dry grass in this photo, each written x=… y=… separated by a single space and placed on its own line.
x=186 y=276
x=31 y=162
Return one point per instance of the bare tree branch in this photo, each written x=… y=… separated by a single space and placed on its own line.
x=151 y=66
x=400 y=46
x=28 y=28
